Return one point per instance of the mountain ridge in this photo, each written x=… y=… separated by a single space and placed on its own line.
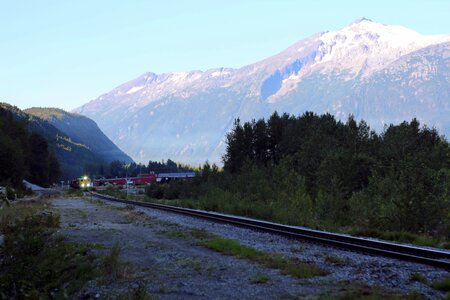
x=327 y=72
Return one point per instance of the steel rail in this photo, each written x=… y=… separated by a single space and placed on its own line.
x=432 y=257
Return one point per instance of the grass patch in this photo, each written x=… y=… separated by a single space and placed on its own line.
x=400 y=237
x=123 y=222
x=299 y=249
x=175 y=234
x=290 y=266
x=134 y=215
x=96 y=201
x=19 y=211
x=416 y=276
x=114 y=192
x=74 y=192
x=260 y=278
x=136 y=293
x=190 y=263
x=200 y=234
x=443 y=285
x=355 y=290
x=162 y=289
x=114 y=269
x=119 y=208
x=233 y=248
x=336 y=260
x=82 y=213
x=97 y=246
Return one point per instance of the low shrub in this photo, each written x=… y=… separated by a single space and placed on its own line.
x=10 y=193
x=36 y=264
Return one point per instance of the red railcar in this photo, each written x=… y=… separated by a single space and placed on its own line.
x=141 y=179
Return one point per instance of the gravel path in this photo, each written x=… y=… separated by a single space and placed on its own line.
x=172 y=265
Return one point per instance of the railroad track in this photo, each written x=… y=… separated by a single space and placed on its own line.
x=432 y=257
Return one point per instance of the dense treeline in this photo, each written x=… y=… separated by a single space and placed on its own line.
x=316 y=171
x=120 y=169
x=24 y=155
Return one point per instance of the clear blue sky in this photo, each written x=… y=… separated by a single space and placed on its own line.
x=65 y=53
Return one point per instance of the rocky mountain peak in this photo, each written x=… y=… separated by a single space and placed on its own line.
x=354 y=70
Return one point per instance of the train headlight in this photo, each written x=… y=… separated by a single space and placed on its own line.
x=82 y=185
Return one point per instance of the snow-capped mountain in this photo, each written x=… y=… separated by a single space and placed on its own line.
x=380 y=73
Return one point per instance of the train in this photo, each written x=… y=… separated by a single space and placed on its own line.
x=141 y=179
x=81 y=183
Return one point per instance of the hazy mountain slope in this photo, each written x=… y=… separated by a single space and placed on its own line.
x=82 y=130
x=72 y=156
x=415 y=85
x=381 y=73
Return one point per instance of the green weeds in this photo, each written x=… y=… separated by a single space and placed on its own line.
x=260 y=278
x=443 y=285
x=336 y=260
x=136 y=293
x=356 y=290
x=178 y=233
x=415 y=276
x=400 y=237
x=290 y=266
x=190 y=263
x=114 y=269
x=123 y=222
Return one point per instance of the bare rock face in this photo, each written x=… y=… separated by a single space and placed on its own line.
x=381 y=73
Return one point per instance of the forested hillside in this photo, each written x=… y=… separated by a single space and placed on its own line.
x=315 y=171
x=82 y=130
x=24 y=154
x=75 y=157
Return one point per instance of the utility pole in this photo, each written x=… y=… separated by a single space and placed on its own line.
x=126 y=178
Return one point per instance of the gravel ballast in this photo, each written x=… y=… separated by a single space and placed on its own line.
x=175 y=266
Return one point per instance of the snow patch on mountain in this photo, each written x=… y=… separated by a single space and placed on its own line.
x=134 y=89
x=364 y=47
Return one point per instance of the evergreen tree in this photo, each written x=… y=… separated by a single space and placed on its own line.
x=235 y=152
x=39 y=160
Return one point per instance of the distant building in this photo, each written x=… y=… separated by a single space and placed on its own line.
x=166 y=177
